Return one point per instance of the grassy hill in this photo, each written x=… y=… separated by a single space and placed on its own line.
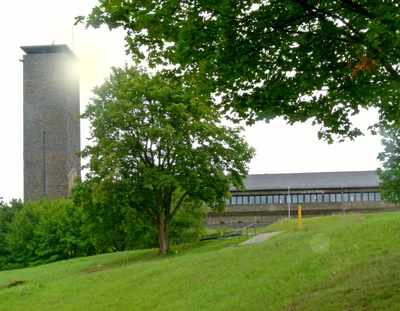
x=344 y=262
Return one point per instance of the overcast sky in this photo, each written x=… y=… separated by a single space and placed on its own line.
x=280 y=148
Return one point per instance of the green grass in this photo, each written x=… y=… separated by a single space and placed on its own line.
x=343 y=262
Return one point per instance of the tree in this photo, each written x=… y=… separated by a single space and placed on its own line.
x=153 y=140
x=20 y=239
x=299 y=59
x=390 y=157
x=114 y=226
x=110 y=223
x=59 y=233
x=7 y=214
x=189 y=221
x=37 y=232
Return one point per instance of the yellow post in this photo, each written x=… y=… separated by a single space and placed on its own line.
x=299 y=216
x=255 y=225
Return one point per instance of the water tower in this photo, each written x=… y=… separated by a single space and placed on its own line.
x=51 y=125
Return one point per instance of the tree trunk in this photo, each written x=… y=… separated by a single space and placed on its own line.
x=163 y=241
x=163 y=221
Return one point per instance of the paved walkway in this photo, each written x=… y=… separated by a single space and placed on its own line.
x=260 y=238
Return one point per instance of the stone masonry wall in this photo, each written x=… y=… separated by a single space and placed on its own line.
x=51 y=106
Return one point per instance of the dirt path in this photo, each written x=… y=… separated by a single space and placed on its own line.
x=260 y=238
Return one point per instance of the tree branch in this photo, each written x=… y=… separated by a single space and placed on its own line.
x=322 y=15
x=393 y=73
x=178 y=205
x=357 y=8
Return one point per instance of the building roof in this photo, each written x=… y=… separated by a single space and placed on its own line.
x=323 y=180
x=45 y=49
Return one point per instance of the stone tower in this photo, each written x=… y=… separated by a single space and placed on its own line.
x=51 y=125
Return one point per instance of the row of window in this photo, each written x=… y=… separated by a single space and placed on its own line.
x=304 y=198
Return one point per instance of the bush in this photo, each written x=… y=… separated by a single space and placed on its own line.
x=42 y=231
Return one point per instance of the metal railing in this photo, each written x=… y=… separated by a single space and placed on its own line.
x=237 y=233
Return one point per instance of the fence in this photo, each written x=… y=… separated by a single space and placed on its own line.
x=229 y=235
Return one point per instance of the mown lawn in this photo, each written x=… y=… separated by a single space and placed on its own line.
x=344 y=262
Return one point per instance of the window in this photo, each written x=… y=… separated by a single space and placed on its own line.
x=304 y=198
x=228 y=201
x=278 y=198
x=251 y=199
x=233 y=201
x=313 y=198
x=371 y=196
x=263 y=199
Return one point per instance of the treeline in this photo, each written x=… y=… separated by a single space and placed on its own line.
x=44 y=231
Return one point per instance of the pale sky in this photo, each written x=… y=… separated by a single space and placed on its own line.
x=280 y=148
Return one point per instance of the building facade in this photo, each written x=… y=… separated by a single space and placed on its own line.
x=274 y=196
x=51 y=123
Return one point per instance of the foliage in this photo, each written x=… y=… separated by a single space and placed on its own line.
x=59 y=232
x=21 y=241
x=390 y=157
x=106 y=220
x=221 y=230
x=298 y=59
x=189 y=222
x=152 y=141
x=41 y=231
x=113 y=226
x=7 y=214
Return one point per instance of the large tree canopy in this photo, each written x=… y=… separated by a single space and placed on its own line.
x=155 y=146
x=299 y=59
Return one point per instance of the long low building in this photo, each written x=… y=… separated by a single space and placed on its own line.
x=273 y=196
